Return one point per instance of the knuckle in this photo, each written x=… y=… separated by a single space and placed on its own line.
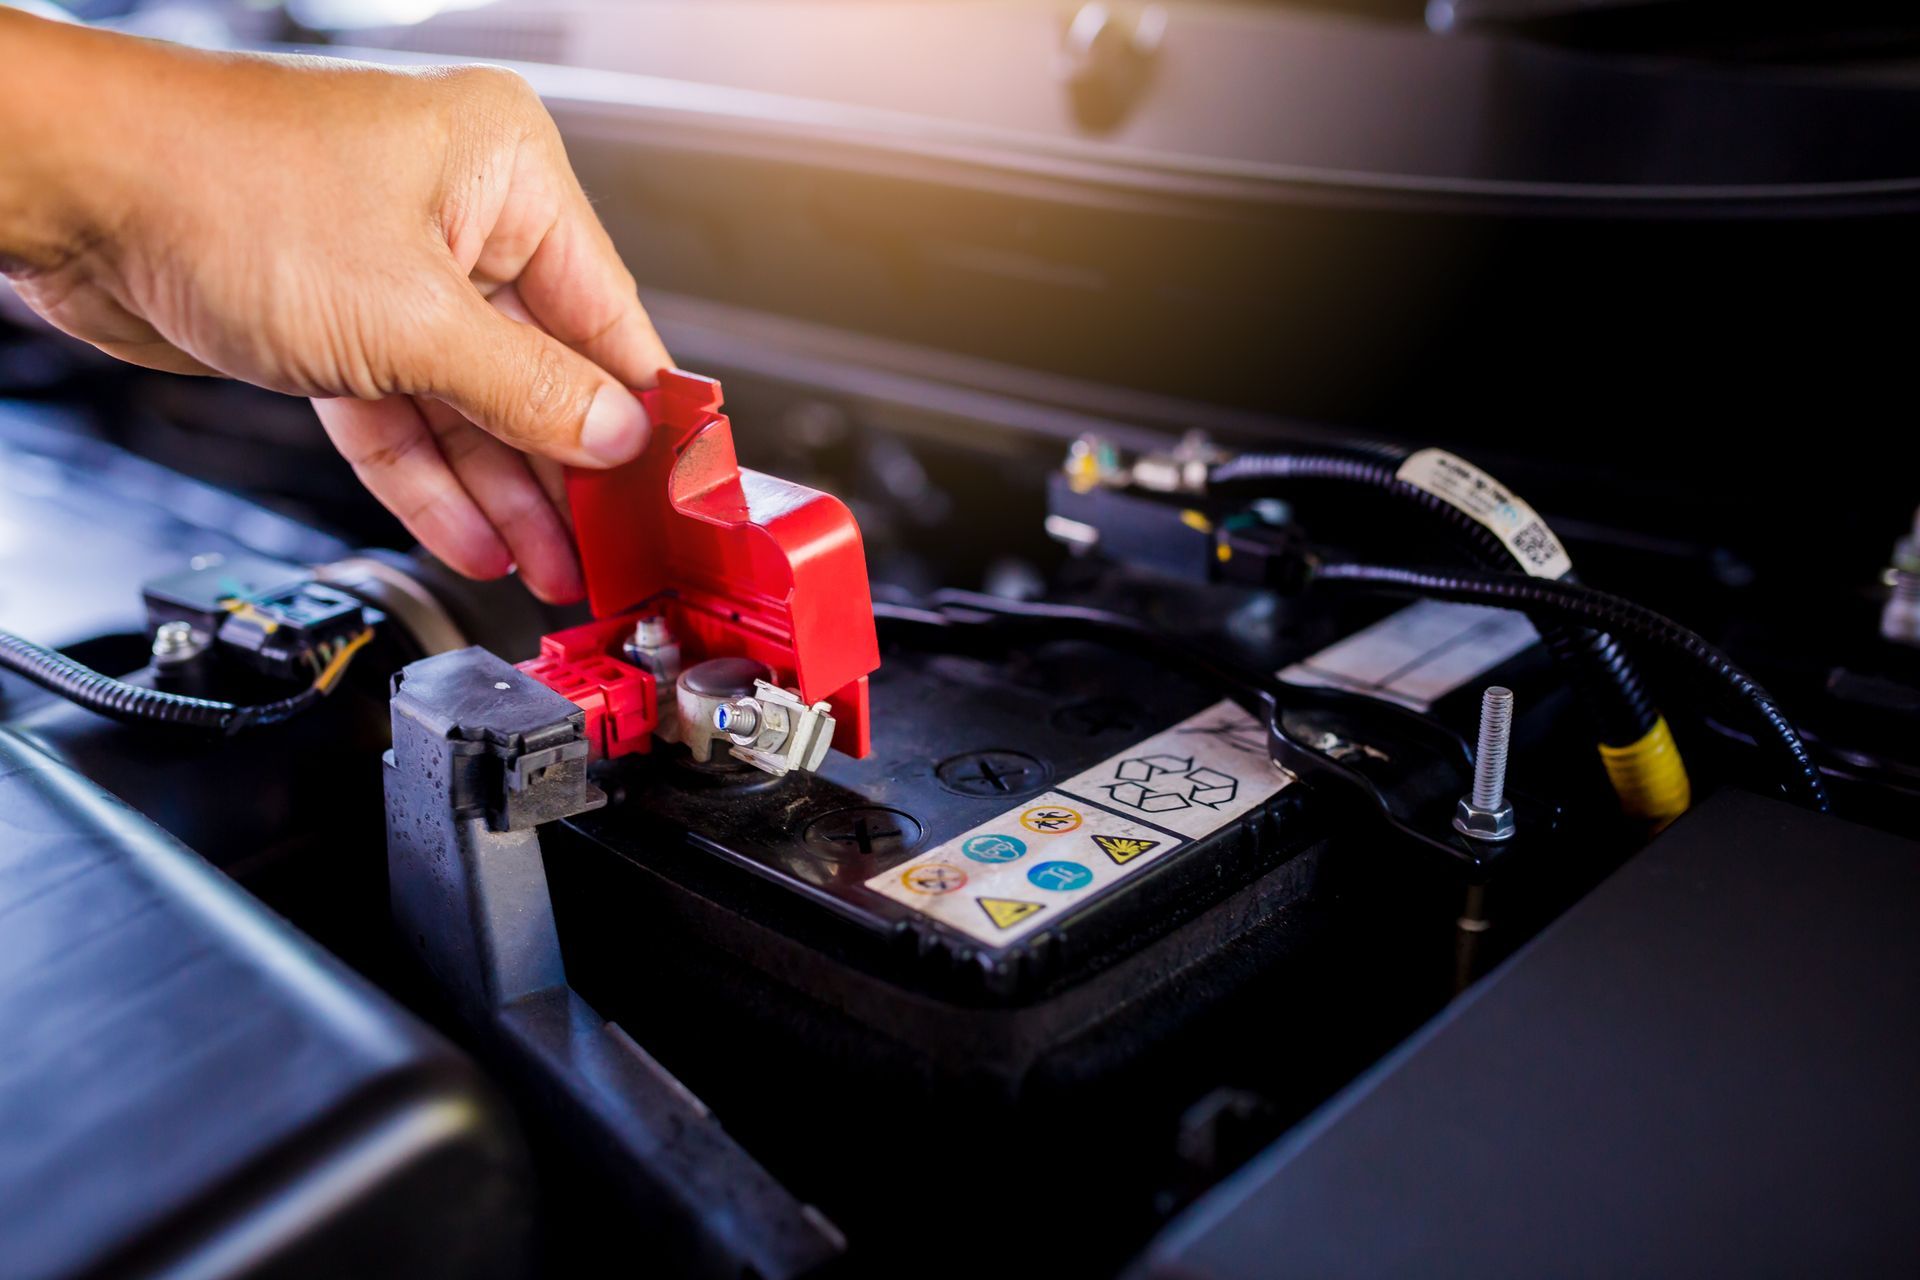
x=549 y=394
x=488 y=102
x=485 y=80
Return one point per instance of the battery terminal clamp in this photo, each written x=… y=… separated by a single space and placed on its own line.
x=774 y=730
x=690 y=560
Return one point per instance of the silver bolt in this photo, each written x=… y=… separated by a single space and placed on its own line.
x=1484 y=814
x=1490 y=760
x=174 y=640
x=739 y=718
x=652 y=648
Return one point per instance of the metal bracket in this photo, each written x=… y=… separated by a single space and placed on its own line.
x=482 y=755
x=1404 y=769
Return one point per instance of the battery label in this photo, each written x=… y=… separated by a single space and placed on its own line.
x=1049 y=856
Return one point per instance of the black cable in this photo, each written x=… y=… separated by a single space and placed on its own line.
x=1601 y=671
x=135 y=704
x=1571 y=602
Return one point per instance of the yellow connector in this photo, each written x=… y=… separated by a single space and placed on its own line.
x=1649 y=776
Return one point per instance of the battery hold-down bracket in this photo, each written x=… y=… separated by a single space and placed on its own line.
x=736 y=564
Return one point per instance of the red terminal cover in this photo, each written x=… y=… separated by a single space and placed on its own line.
x=741 y=563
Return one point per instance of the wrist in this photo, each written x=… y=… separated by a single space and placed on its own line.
x=89 y=137
x=45 y=171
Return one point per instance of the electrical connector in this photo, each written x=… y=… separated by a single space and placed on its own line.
x=291 y=632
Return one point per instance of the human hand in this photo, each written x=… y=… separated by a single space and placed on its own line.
x=409 y=248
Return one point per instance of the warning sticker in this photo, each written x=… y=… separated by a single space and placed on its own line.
x=991 y=846
x=1006 y=913
x=934 y=877
x=1027 y=867
x=1124 y=849
x=1455 y=480
x=1051 y=820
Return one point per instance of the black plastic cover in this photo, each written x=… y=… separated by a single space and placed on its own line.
x=186 y=1083
x=1706 y=1068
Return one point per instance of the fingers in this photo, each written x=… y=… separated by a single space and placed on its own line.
x=553 y=479
x=525 y=387
x=550 y=474
x=514 y=500
x=577 y=287
x=396 y=456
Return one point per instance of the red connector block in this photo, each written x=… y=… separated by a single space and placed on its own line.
x=739 y=563
x=621 y=701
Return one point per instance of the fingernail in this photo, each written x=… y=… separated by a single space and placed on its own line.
x=616 y=426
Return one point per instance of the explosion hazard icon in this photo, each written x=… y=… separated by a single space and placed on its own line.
x=1164 y=783
x=1124 y=849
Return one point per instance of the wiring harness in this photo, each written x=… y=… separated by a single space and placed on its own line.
x=1636 y=747
x=136 y=704
x=1571 y=602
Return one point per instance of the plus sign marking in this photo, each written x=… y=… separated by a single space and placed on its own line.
x=1163 y=783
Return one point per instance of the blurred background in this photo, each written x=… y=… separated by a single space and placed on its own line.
x=1650 y=262
x=1647 y=260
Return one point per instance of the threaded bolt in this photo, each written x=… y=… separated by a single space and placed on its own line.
x=1483 y=813
x=740 y=718
x=1490 y=760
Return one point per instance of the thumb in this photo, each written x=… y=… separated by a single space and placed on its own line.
x=517 y=382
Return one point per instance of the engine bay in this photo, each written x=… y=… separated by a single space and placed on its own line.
x=1114 y=779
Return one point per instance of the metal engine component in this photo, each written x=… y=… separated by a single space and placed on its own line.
x=702 y=689
x=177 y=642
x=775 y=730
x=656 y=650
x=1486 y=813
x=731 y=701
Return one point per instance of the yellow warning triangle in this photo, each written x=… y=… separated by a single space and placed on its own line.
x=1008 y=912
x=1124 y=849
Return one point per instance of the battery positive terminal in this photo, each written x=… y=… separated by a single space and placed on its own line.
x=775 y=730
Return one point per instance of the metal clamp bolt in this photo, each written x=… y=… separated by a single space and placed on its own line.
x=1484 y=813
x=177 y=642
x=739 y=719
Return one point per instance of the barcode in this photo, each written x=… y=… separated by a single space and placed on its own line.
x=1535 y=544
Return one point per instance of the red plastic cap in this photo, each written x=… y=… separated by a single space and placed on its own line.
x=752 y=564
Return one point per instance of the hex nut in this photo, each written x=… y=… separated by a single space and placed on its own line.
x=1483 y=824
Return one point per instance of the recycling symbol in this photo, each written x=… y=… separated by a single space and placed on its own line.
x=1163 y=783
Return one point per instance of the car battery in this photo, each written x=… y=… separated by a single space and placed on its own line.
x=1065 y=900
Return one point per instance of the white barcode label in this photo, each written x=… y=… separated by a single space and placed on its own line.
x=1454 y=480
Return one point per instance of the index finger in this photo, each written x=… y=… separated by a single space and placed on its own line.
x=576 y=286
